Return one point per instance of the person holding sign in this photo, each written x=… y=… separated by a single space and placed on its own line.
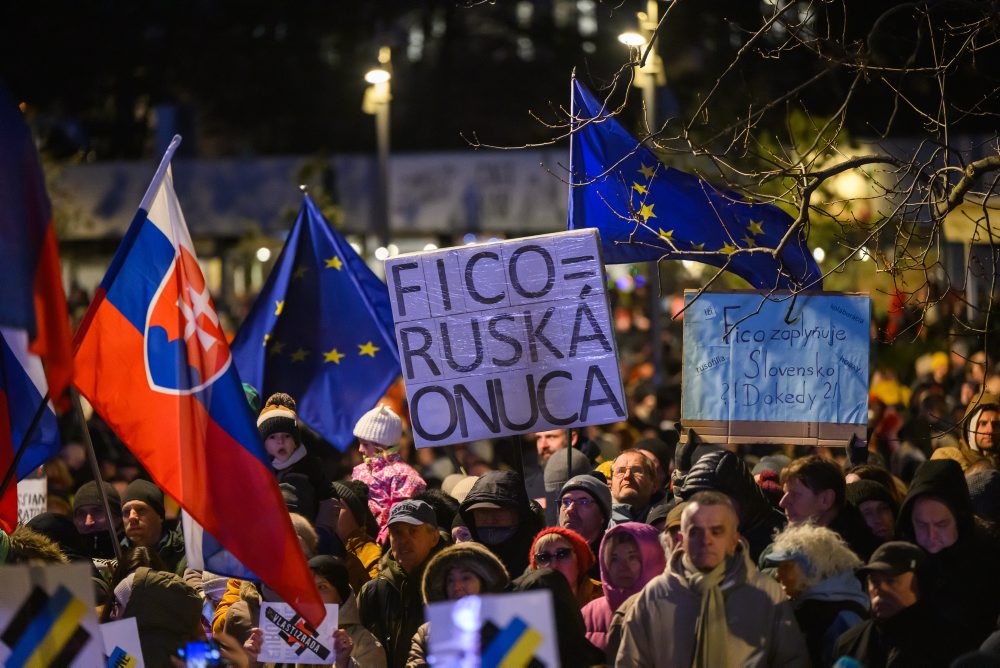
x=355 y=644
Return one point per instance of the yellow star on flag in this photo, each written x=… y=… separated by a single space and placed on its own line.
x=647 y=171
x=276 y=348
x=300 y=272
x=646 y=212
x=666 y=236
x=267 y=337
x=698 y=247
x=728 y=249
x=750 y=241
x=755 y=227
x=642 y=190
x=300 y=355
x=334 y=262
x=333 y=356
x=368 y=349
x=279 y=306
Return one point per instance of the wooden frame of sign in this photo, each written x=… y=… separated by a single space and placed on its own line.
x=780 y=432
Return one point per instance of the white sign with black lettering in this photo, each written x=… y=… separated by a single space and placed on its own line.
x=506 y=338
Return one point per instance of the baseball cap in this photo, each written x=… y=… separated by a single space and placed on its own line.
x=412 y=512
x=894 y=558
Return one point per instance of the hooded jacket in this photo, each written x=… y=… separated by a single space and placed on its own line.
x=725 y=472
x=659 y=630
x=504 y=489
x=966 y=596
x=597 y=614
x=167 y=612
x=392 y=606
x=967 y=453
x=390 y=480
x=472 y=557
x=828 y=609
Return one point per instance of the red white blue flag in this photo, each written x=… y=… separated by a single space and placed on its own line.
x=152 y=358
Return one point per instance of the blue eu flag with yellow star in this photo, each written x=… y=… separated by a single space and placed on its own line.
x=646 y=211
x=320 y=330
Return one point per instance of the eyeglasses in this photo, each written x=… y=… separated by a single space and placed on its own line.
x=582 y=502
x=561 y=554
x=622 y=471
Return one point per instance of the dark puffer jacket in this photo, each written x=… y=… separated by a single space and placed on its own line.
x=725 y=472
x=574 y=648
x=504 y=489
x=966 y=597
x=167 y=612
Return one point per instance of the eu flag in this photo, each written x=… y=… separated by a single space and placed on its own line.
x=647 y=211
x=321 y=330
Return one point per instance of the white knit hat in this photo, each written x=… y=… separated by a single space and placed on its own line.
x=379 y=425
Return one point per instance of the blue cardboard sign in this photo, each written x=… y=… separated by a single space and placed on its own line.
x=746 y=357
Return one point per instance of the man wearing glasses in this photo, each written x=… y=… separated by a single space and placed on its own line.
x=633 y=481
x=585 y=507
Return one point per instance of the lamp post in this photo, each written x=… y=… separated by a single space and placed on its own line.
x=378 y=95
x=647 y=76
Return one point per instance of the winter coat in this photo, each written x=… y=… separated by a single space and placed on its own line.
x=597 y=614
x=390 y=480
x=828 y=609
x=392 y=606
x=472 y=557
x=962 y=582
x=660 y=627
x=361 y=558
x=505 y=489
x=909 y=639
x=851 y=526
x=167 y=613
x=967 y=453
x=574 y=648
x=725 y=472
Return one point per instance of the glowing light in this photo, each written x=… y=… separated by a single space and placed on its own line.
x=377 y=76
x=381 y=253
x=263 y=254
x=393 y=250
x=819 y=254
x=430 y=247
x=633 y=39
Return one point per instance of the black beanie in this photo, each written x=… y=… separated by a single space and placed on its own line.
x=147 y=492
x=863 y=490
x=354 y=495
x=88 y=495
x=279 y=419
x=333 y=570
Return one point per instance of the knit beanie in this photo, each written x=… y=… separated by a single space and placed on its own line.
x=278 y=419
x=556 y=471
x=88 y=495
x=147 y=492
x=585 y=558
x=354 y=495
x=381 y=426
x=333 y=570
x=600 y=492
x=863 y=490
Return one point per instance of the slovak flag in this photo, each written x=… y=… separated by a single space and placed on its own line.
x=152 y=358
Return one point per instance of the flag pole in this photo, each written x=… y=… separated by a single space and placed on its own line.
x=95 y=469
x=11 y=473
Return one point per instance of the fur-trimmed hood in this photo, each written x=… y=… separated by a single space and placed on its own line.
x=471 y=557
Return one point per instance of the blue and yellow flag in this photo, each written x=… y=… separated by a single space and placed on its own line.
x=646 y=211
x=320 y=330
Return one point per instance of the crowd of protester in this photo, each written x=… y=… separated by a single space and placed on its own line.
x=657 y=550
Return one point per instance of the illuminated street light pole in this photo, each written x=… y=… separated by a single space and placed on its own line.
x=378 y=95
x=648 y=76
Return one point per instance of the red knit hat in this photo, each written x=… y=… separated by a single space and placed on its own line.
x=585 y=559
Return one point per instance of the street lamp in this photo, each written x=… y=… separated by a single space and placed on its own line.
x=648 y=76
x=378 y=95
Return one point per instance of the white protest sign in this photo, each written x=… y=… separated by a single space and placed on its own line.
x=47 y=617
x=506 y=338
x=32 y=496
x=290 y=639
x=121 y=644
x=488 y=631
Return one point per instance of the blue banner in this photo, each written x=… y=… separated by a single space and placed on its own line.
x=750 y=357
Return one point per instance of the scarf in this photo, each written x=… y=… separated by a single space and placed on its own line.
x=295 y=457
x=712 y=631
